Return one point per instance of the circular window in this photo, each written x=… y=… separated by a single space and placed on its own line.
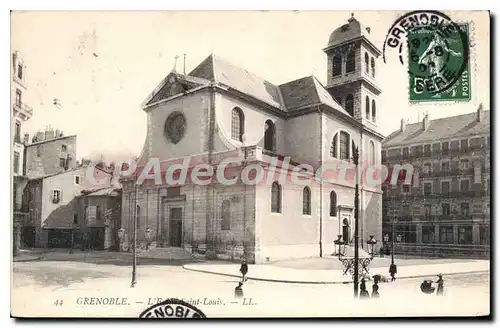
x=175 y=126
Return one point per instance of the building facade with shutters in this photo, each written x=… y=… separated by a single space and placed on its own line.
x=220 y=111
x=446 y=210
x=66 y=203
x=21 y=112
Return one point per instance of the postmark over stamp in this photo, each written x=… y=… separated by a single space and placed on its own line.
x=437 y=53
x=172 y=308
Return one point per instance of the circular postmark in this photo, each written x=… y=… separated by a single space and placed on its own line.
x=172 y=308
x=436 y=49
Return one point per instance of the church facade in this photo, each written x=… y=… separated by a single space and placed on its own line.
x=220 y=111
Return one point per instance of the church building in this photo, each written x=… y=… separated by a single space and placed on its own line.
x=221 y=111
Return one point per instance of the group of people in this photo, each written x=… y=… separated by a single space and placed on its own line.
x=363 y=293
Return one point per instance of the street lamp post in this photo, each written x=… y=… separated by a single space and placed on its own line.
x=356 y=232
x=392 y=238
x=134 y=260
x=372 y=243
x=148 y=237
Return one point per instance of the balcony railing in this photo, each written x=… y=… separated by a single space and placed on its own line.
x=455 y=194
x=433 y=153
x=20 y=106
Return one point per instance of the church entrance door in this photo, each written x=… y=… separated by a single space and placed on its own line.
x=175 y=227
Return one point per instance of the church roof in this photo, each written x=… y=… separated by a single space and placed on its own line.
x=293 y=95
x=350 y=31
x=448 y=127
x=216 y=69
x=307 y=91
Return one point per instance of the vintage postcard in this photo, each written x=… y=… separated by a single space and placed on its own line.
x=250 y=164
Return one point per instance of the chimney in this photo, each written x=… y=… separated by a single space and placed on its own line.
x=426 y=122
x=49 y=134
x=26 y=139
x=403 y=125
x=480 y=113
x=40 y=136
x=368 y=29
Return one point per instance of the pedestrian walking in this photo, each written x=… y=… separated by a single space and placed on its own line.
x=440 y=287
x=375 y=293
x=238 y=291
x=363 y=293
x=393 y=269
x=244 y=271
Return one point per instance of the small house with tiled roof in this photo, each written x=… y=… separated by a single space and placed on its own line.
x=220 y=111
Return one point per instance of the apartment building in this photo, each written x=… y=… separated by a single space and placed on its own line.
x=21 y=113
x=445 y=211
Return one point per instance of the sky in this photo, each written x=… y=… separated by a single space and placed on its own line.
x=102 y=65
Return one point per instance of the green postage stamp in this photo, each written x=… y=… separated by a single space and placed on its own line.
x=439 y=65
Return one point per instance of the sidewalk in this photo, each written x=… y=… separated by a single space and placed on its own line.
x=273 y=273
x=26 y=255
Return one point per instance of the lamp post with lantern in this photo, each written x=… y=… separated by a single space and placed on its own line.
x=372 y=243
x=134 y=247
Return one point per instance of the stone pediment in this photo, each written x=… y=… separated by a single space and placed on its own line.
x=172 y=87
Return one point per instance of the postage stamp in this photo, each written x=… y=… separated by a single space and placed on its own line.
x=437 y=55
x=447 y=57
x=203 y=173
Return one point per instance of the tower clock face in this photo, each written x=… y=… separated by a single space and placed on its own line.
x=175 y=126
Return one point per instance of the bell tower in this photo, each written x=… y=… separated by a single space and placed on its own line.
x=352 y=71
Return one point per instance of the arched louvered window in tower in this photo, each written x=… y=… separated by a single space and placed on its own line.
x=367 y=64
x=350 y=65
x=336 y=65
x=373 y=67
x=367 y=107
x=374 y=111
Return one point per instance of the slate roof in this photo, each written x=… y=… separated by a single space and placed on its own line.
x=307 y=91
x=110 y=191
x=286 y=97
x=352 y=30
x=447 y=127
x=216 y=69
